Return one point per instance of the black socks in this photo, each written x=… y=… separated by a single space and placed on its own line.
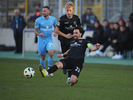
x=52 y=69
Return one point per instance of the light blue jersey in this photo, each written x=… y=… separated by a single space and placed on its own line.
x=45 y=26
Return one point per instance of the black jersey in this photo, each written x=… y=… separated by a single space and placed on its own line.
x=77 y=49
x=66 y=26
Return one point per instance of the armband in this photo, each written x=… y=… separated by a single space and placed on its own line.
x=88 y=45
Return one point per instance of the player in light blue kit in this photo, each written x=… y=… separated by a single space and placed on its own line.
x=43 y=29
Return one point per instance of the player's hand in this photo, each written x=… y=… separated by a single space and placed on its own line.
x=41 y=34
x=97 y=45
x=55 y=34
x=59 y=55
x=69 y=36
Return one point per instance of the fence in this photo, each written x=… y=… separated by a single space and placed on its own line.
x=110 y=9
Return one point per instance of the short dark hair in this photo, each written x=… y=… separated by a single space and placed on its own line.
x=46 y=7
x=105 y=20
x=117 y=23
x=80 y=29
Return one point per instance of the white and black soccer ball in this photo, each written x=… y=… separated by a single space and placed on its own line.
x=29 y=72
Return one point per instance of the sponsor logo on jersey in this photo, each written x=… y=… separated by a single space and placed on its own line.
x=66 y=23
x=75 y=22
x=51 y=23
x=75 y=44
x=80 y=41
x=70 y=27
x=47 y=27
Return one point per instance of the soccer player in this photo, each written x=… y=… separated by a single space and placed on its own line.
x=75 y=56
x=43 y=29
x=64 y=30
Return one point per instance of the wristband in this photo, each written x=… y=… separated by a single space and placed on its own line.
x=61 y=55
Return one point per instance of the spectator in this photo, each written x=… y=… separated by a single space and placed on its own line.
x=130 y=38
x=107 y=30
x=120 y=43
x=128 y=26
x=131 y=22
x=88 y=19
x=121 y=21
x=35 y=16
x=98 y=32
x=18 y=24
x=97 y=35
x=108 y=41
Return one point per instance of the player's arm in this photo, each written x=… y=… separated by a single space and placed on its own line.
x=93 y=48
x=55 y=34
x=61 y=55
x=37 y=33
x=62 y=34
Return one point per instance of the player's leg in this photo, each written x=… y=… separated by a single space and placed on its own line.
x=74 y=80
x=68 y=70
x=63 y=64
x=50 y=49
x=42 y=60
x=42 y=64
x=51 y=70
x=50 y=60
x=76 y=69
x=42 y=52
x=64 y=49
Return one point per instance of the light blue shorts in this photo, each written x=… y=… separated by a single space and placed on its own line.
x=44 y=47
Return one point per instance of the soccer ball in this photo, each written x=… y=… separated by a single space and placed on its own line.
x=29 y=72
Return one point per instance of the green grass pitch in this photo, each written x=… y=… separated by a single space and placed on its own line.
x=96 y=82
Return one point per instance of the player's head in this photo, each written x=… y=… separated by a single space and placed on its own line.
x=46 y=11
x=69 y=8
x=78 y=32
x=16 y=12
x=122 y=28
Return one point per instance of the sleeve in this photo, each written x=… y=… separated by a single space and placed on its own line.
x=33 y=17
x=54 y=22
x=36 y=24
x=60 y=23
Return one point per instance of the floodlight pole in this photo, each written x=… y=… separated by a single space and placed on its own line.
x=60 y=7
x=76 y=7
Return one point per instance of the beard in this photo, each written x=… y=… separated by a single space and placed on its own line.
x=75 y=37
x=45 y=16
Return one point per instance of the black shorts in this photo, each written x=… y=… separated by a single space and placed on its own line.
x=65 y=46
x=74 y=64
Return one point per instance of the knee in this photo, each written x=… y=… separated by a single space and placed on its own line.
x=59 y=65
x=43 y=57
x=50 y=54
x=73 y=81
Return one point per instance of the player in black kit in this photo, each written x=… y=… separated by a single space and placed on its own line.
x=64 y=30
x=75 y=56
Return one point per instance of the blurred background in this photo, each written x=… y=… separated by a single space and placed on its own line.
x=109 y=9
x=112 y=10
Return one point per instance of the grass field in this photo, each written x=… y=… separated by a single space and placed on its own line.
x=96 y=82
